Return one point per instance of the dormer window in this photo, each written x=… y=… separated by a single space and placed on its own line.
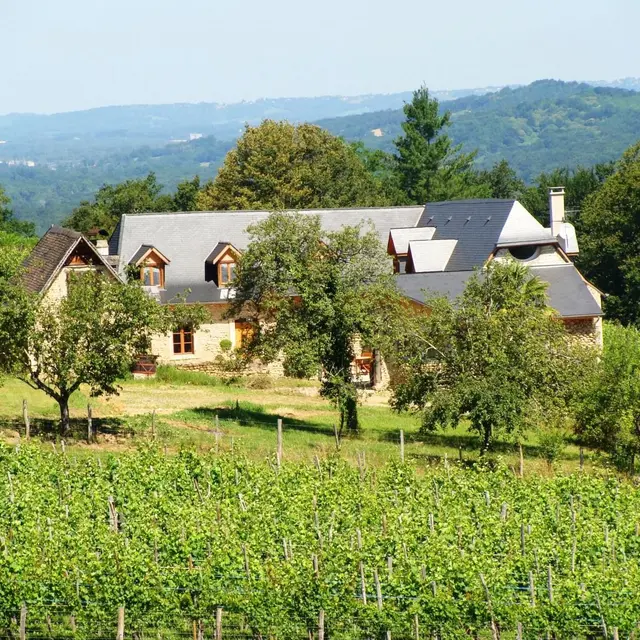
x=151 y=264
x=152 y=276
x=221 y=265
x=226 y=273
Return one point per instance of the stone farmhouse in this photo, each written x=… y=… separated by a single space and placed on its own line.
x=435 y=250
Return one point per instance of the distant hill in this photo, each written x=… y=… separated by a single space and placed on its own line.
x=81 y=135
x=48 y=164
x=544 y=125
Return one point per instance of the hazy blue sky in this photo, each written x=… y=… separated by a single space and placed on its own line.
x=60 y=55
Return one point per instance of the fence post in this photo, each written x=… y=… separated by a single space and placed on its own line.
x=90 y=424
x=401 y=446
x=321 y=624
x=416 y=627
x=219 y=623
x=120 y=635
x=337 y=436
x=23 y=621
x=521 y=469
x=279 y=443
x=25 y=417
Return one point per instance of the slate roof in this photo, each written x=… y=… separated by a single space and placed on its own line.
x=140 y=253
x=476 y=224
x=218 y=251
x=187 y=239
x=48 y=256
x=567 y=290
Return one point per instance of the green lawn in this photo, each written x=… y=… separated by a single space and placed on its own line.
x=186 y=407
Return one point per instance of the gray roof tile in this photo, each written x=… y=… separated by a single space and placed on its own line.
x=567 y=291
x=187 y=239
x=476 y=224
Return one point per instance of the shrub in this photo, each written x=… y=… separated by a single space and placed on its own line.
x=172 y=375
x=260 y=381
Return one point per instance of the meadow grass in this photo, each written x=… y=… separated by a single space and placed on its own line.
x=186 y=405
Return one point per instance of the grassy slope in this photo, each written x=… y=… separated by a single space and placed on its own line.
x=186 y=411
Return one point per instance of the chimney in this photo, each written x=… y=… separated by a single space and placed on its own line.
x=103 y=247
x=556 y=209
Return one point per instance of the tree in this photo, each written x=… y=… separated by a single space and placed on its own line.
x=430 y=167
x=609 y=414
x=610 y=239
x=8 y=222
x=112 y=201
x=579 y=183
x=281 y=166
x=312 y=295
x=502 y=181
x=497 y=357
x=186 y=196
x=90 y=337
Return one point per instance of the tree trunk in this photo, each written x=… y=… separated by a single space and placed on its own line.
x=63 y=401
x=486 y=438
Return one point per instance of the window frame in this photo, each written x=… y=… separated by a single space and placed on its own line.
x=230 y=268
x=182 y=333
x=152 y=268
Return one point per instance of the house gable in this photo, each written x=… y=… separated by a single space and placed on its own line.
x=60 y=250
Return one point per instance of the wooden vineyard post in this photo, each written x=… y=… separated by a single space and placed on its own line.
x=363 y=586
x=532 y=589
x=521 y=468
x=25 y=417
x=219 y=623
x=519 y=631
x=337 y=436
x=614 y=631
x=120 y=634
x=581 y=458
x=550 y=583
x=246 y=561
x=401 y=446
x=416 y=627
x=279 y=443
x=376 y=579
x=522 y=540
x=23 y=621
x=321 y=624
x=494 y=629
x=90 y=424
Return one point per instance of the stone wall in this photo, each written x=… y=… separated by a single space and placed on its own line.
x=586 y=330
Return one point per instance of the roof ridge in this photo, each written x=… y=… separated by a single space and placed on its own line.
x=147 y=214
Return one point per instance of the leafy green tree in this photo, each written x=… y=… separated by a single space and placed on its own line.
x=429 y=166
x=610 y=239
x=609 y=415
x=497 y=357
x=502 y=181
x=90 y=337
x=112 y=201
x=186 y=196
x=8 y=222
x=281 y=166
x=312 y=294
x=579 y=183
